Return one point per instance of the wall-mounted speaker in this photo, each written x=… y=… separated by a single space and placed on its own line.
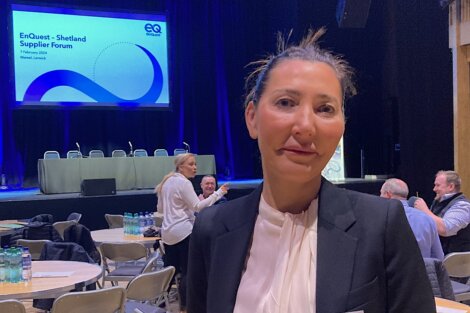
x=352 y=13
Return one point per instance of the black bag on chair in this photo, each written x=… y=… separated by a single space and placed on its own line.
x=439 y=279
x=80 y=234
x=41 y=230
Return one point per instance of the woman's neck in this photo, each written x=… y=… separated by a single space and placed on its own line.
x=290 y=196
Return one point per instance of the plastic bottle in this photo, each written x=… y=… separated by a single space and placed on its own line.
x=127 y=221
x=148 y=219
x=7 y=260
x=135 y=224
x=27 y=272
x=15 y=264
x=18 y=264
x=142 y=223
x=2 y=266
x=125 y=224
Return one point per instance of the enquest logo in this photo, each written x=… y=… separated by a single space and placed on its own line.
x=153 y=29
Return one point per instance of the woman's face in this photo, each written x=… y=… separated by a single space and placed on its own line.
x=188 y=168
x=298 y=121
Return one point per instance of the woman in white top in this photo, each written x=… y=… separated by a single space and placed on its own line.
x=178 y=202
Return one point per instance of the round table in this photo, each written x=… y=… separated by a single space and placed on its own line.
x=444 y=303
x=116 y=235
x=8 y=229
x=52 y=287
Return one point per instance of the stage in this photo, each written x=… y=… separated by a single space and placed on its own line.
x=26 y=203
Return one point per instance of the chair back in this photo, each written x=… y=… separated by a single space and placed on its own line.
x=61 y=226
x=114 y=220
x=118 y=154
x=160 y=152
x=140 y=153
x=123 y=252
x=74 y=216
x=96 y=154
x=12 y=306
x=74 y=154
x=179 y=151
x=150 y=286
x=108 y=300
x=51 y=155
x=34 y=246
x=457 y=264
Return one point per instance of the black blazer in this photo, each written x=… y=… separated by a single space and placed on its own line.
x=367 y=258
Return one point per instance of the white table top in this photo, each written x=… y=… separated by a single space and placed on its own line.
x=116 y=235
x=51 y=287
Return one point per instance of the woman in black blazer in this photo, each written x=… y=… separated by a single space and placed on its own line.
x=298 y=243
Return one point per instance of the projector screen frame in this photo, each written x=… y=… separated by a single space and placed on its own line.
x=70 y=105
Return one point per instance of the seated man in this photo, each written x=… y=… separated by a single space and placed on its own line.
x=423 y=226
x=450 y=211
x=208 y=186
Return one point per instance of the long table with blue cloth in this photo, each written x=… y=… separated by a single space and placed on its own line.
x=66 y=175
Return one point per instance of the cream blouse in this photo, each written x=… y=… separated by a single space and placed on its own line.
x=280 y=274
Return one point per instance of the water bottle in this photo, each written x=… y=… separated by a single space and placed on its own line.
x=135 y=224
x=15 y=263
x=18 y=265
x=141 y=224
x=3 y=182
x=7 y=260
x=148 y=220
x=26 y=264
x=2 y=266
x=125 y=223
x=152 y=221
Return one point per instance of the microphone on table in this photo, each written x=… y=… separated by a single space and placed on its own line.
x=412 y=200
x=186 y=146
x=131 y=153
x=79 y=151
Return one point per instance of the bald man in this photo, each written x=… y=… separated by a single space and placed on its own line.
x=422 y=225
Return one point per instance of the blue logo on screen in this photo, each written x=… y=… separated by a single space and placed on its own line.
x=45 y=82
x=153 y=29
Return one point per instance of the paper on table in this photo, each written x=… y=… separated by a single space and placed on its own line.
x=51 y=274
x=11 y=226
x=441 y=309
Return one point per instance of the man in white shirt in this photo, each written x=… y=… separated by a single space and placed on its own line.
x=208 y=185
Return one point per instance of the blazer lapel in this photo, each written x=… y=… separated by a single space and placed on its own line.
x=229 y=254
x=336 y=249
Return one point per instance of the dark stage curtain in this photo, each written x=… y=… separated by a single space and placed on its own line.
x=403 y=72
